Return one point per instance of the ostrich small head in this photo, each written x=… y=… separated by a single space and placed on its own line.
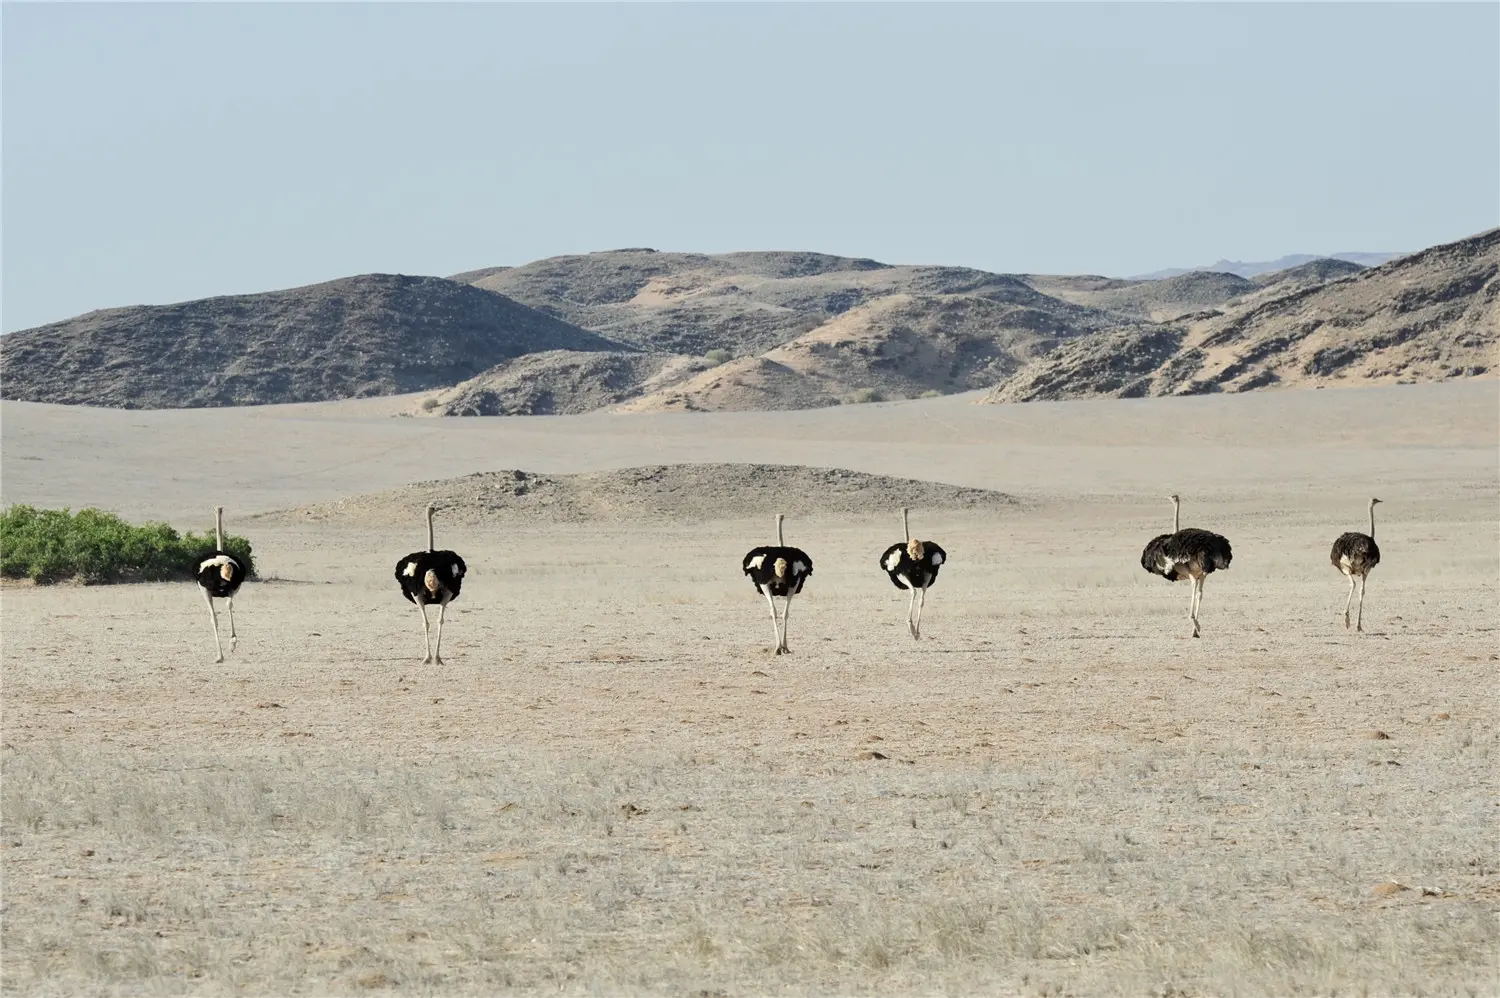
x=1374 y=501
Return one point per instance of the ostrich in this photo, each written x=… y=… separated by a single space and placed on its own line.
x=219 y=574
x=1354 y=555
x=1190 y=553
x=778 y=571
x=913 y=565
x=431 y=577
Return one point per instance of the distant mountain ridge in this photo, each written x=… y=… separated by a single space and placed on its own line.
x=637 y=330
x=1428 y=316
x=742 y=302
x=376 y=334
x=1242 y=268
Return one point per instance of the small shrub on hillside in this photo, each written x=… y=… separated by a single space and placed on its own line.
x=719 y=356
x=862 y=395
x=931 y=393
x=54 y=545
x=430 y=403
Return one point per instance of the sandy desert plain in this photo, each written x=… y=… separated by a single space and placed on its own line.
x=613 y=787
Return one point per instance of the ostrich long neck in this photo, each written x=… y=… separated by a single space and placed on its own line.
x=430 y=545
x=219 y=529
x=1372 y=521
x=779 y=541
x=1176 y=516
x=904 y=528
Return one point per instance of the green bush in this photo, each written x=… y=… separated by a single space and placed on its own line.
x=53 y=545
x=931 y=393
x=719 y=356
x=862 y=395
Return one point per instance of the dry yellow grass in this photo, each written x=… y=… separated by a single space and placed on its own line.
x=613 y=787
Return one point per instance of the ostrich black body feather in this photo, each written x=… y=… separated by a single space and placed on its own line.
x=447 y=570
x=1189 y=552
x=1355 y=553
x=761 y=563
x=906 y=573
x=219 y=573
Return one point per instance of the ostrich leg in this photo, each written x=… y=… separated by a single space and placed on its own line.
x=1359 y=621
x=911 y=609
x=917 y=631
x=775 y=623
x=1197 y=602
x=229 y=602
x=1348 y=602
x=786 y=615
x=437 y=652
x=426 y=634
x=213 y=619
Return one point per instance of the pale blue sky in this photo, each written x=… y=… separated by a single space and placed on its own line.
x=157 y=153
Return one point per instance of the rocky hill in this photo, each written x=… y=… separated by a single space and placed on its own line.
x=898 y=346
x=378 y=334
x=1429 y=316
x=745 y=303
x=562 y=382
x=1253 y=269
x=745 y=384
x=1310 y=274
x=1153 y=301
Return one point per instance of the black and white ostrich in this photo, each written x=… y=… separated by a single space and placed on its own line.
x=913 y=565
x=1191 y=554
x=428 y=577
x=778 y=571
x=219 y=575
x=1355 y=554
